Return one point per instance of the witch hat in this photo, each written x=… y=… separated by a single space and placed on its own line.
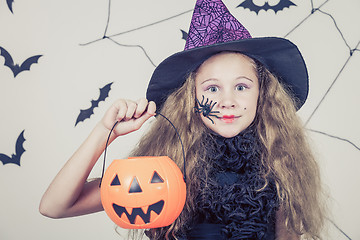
x=212 y=30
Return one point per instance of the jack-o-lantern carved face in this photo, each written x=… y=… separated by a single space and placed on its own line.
x=143 y=192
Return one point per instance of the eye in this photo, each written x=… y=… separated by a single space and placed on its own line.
x=212 y=89
x=240 y=87
x=156 y=178
x=115 y=181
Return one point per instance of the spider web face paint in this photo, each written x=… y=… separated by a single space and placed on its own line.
x=206 y=108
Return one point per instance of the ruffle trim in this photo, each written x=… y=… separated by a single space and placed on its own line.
x=233 y=193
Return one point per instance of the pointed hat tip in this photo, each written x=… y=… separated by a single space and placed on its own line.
x=213 y=23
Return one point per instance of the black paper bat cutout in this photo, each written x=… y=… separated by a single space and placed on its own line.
x=19 y=150
x=86 y=113
x=15 y=68
x=184 y=34
x=255 y=8
x=9 y=3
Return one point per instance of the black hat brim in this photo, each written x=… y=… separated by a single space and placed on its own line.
x=280 y=56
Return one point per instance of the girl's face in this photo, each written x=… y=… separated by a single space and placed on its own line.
x=230 y=80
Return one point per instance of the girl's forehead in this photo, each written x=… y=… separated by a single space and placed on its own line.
x=225 y=58
x=227 y=64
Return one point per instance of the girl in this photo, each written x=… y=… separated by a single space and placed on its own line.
x=233 y=100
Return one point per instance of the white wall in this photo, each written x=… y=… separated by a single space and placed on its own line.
x=46 y=100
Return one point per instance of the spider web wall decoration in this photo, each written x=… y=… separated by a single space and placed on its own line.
x=352 y=50
x=112 y=36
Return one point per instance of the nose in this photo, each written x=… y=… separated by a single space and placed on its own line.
x=227 y=101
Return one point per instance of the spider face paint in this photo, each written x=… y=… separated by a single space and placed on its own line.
x=206 y=108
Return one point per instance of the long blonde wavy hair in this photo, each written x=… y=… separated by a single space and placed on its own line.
x=286 y=155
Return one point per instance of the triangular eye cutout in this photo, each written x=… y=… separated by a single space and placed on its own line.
x=135 y=187
x=156 y=178
x=115 y=181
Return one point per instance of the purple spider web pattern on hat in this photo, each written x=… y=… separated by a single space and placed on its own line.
x=213 y=23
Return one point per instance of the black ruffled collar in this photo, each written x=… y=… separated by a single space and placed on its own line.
x=230 y=194
x=234 y=154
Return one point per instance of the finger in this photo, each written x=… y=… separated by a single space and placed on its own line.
x=131 y=108
x=121 y=108
x=151 y=109
x=141 y=107
x=142 y=119
x=115 y=111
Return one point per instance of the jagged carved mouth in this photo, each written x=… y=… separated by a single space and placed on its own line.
x=156 y=207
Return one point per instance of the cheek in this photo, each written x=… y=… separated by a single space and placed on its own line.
x=251 y=102
x=207 y=122
x=250 y=107
x=251 y=114
x=199 y=93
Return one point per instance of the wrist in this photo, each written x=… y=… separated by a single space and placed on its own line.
x=102 y=131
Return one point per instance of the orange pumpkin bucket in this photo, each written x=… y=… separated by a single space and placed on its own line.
x=143 y=192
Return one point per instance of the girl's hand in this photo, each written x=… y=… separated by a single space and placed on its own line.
x=69 y=194
x=130 y=114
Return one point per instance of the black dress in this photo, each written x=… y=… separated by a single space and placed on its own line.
x=233 y=203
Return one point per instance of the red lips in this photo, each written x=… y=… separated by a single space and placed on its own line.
x=228 y=118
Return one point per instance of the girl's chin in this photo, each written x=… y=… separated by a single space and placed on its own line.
x=226 y=134
x=226 y=130
x=229 y=135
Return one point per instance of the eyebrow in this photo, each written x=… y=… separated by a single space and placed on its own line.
x=207 y=80
x=245 y=78
x=215 y=79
